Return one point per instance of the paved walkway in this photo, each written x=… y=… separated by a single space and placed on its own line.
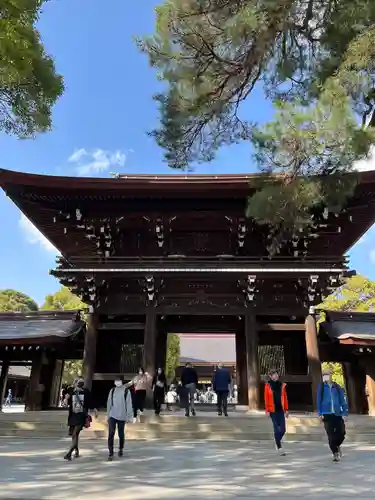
x=35 y=470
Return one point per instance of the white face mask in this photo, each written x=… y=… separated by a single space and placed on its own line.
x=326 y=378
x=118 y=383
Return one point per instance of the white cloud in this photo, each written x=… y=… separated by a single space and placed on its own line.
x=368 y=163
x=34 y=236
x=95 y=162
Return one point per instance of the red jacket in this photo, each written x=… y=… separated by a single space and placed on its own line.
x=269 y=402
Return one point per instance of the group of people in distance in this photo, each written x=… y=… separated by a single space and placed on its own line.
x=126 y=400
x=331 y=404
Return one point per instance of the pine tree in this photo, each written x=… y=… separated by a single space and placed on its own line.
x=315 y=61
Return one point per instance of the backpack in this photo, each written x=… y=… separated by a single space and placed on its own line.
x=125 y=395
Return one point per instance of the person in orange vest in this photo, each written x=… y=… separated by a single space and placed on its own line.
x=276 y=404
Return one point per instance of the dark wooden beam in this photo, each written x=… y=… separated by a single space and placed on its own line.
x=253 y=376
x=313 y=359
x=89 y=355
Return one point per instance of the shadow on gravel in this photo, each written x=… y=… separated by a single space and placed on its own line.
x=35 y=470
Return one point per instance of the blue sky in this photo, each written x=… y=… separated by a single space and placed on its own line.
x=100 y=125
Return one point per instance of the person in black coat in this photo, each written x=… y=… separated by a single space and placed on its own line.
x=79 y=403
x=189 y=381
x=159 y=387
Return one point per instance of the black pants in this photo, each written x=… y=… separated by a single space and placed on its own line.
x=222 y=402
x=335 y=429
x=139 y=401
x=112 y=423
x=279 y=427
x=74 y=431
x=158 y=399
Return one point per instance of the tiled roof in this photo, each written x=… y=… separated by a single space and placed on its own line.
x=361 y=330
x=40 y=325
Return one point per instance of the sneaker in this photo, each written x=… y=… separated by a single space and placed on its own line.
x=135 y=420
x=336 y=457
x=281 y=452
x=219 y=413
x=121 y=453
x=340 y=452
x=110 y=458
x=77 y=455
x=68 y=456
x=226 y=414
x=187 y=414
x=193 y=413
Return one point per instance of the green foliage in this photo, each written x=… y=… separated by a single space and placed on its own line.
x=13 y=301
x=337 y=372
x=356 y=295
x=72 y=368
x=316 y=62
x=63 y=300
x=173 y=355
x=29 y=84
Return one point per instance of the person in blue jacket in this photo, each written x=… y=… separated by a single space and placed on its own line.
x=221 y=383
x=333 y=412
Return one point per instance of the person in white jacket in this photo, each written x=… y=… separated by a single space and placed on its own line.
x=120 y=412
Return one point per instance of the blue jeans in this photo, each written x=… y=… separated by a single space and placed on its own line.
x=278 y=420
x=112 y=422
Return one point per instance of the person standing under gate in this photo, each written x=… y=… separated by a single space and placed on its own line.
x=189 y=381
x=333 y=412
x=221 y=383
x=159 y=387
x=276 y=404
x=141 y=383
x=120 y=412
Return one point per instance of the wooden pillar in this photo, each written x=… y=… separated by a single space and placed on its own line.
x=241 y=368
x=56 y=384
x=313 y=358
x=34 y=394
x=161 y=349
x=3 y=381
x=89 y=353
x=350 y=376
x=149 y=350
x=369 y=364
x=253 y=378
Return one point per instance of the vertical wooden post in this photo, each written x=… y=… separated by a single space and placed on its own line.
x=56 y=384
x=3 y=381
x=241 y=367
x=253 y=378
x=369 y=364
x=149 y=350
x=349 y=370
x=313 y=358
x=34 y=394
x=89 y=353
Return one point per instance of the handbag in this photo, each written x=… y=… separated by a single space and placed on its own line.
x=88 y=420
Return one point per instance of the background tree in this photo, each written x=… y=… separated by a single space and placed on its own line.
x=357 y=294
x=13 y=301
x=63 y=300
x=315 y=62
x=173 y=355
x=29 y=84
